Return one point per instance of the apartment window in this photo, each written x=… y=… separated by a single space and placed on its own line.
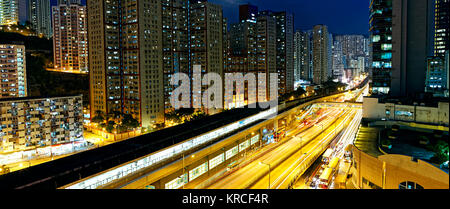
x=409 y=185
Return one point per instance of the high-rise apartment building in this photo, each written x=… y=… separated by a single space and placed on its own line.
x=32 y=122
x=135 y=47
x=285 y=49
x=353 y=46
x=225 y=44
x=310 y=36
x=206 y=40
x=338 y=60
x=330 y=55
x=70 y=37
x=126 y=58
x=321 y=54
x=243 y=59
x=13 y=71
x=266 y=49
x=13 y=12
x=248 y=12
x=380 y=45
x=441 y=29
x=174 y=20
x=412 y=32
x=40 y=17
x=301 y=55
x=437 y=65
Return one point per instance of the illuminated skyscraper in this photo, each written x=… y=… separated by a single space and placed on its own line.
x=338 y=60
x=206 y=39
x=13 y=12
x=321 y=54
x=13 y=71
x=442 y=30
x=248 y=12
x=243 y=57
x=266 y=51
x=380 y=45
x=70 y=44
x=40 y=17
x=301 y=55
x=285 y=49
x=437 y=66
x=412 y=32
x=135 y=47
x=126 y=59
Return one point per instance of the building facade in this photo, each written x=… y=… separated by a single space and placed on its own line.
x=394 y=171
x=244 y=60
x=380 y=44
x=375 y=110
x=136 y=47
x=40 y=17
x=206 y=42
x=126 y=59
x=441 y=29
x=13 y=12
x=248 y=12
x=338 y=61
x=13 y=71
x=321 y=54
x=266 y=50
x=70 y=43
x=285 y=49
x=301 y=55
x=436 y=77
x=412 y=39
x=28 y=123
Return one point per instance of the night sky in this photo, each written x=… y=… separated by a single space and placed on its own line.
x=341 y=16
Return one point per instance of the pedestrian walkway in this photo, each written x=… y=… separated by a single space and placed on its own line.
x=25 y=162
x=367 y=140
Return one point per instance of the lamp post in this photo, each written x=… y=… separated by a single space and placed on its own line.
x=261 y=163
x=184 y=168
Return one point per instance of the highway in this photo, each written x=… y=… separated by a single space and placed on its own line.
x=300 y=149
x=347 y=138
x=252 y=172
x=283 y=174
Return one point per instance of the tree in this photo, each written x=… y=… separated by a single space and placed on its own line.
x=293 y=95
x=197 y=116
x=110 y=126
x=99 y=117
x=178 y=115
x=129 y=122
x=331 y=86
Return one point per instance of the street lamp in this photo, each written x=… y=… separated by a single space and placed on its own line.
x=184 y=168
x=261 y=163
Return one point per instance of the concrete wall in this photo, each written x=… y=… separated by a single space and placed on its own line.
x=374 y=110
x=388 y=171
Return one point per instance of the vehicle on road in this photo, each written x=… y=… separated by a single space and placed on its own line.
x=4 y=169
x=232 y=165
x=326 y=156
x=325 y=178
x=334 y=163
